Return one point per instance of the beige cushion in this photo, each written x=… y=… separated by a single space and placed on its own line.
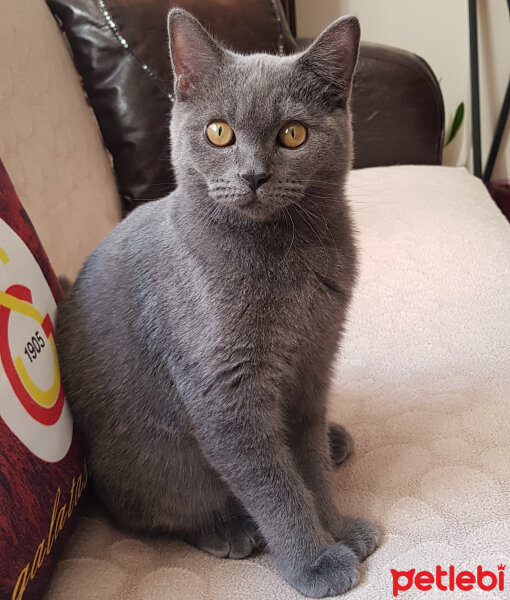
x=424 y=387
x=49 y=139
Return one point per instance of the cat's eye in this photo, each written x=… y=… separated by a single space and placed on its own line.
x=292 y=134
x=220 y=133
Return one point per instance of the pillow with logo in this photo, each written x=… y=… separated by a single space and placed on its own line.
x=42 y=468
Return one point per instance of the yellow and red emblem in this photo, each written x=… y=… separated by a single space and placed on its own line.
x=43 y=405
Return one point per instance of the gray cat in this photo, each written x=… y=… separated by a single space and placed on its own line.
x=197 y=343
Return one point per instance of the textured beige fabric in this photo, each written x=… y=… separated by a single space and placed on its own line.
x=423 y=385
x=49 y=139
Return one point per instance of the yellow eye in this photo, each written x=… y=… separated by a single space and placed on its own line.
x=220 y=133
x=292 y=134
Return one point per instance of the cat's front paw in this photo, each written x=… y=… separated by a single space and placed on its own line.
x=360 y=535
x=333 y=573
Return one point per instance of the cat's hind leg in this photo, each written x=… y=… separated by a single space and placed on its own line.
x=341 y=444
x=232 y=535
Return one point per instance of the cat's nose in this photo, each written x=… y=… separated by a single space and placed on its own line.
x=255 y=180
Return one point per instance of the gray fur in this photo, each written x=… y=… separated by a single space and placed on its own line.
x=197 y=343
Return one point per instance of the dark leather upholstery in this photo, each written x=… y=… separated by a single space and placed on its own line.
x=397 y=108
x=120 y=51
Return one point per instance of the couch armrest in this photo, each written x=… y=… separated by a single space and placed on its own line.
x=397 y=106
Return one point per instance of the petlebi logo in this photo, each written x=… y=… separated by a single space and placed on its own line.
x=449 y=579
x=32 y=397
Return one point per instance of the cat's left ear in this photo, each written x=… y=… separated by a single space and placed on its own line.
x=195 y=55
x=331 y=59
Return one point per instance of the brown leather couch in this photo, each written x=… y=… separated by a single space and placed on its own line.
x=120 y=50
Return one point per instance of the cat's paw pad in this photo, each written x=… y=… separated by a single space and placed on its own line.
x=333 y=573
x=341 y=444
x=360 y=535
x=236 y=539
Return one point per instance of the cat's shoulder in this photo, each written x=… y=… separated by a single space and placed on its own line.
x=143 y=222
x=151 y=212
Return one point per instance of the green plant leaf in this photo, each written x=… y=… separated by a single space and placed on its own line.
x=456 y=123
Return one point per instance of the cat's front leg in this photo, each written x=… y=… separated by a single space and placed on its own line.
x=238 y=426
x=310 y=439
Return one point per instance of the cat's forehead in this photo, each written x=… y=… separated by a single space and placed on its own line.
x=261 y=69
x=259 y=88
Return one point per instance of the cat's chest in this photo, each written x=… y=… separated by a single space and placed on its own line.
x=262 y=294
x=273 y=297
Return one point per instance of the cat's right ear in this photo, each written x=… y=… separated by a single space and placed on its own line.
x=194 y=54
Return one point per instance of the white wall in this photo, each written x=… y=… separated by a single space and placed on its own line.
x=438 y=31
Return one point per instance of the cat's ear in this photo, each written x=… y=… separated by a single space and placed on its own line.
x=194 y=54
x=331 y=59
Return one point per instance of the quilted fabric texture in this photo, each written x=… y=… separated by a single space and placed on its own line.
x=423 y=385
x=49 y=139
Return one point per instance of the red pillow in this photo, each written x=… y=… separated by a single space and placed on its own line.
x=42 y=468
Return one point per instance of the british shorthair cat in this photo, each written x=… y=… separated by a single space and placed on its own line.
x=197 y=343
